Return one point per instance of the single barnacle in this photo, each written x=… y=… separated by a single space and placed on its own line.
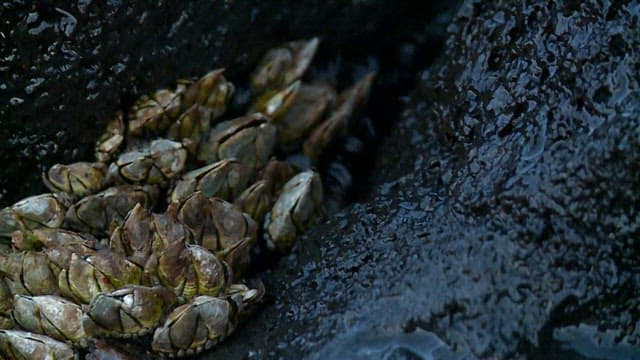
x=155 y=113
x=188 y=270
x=257 y=199
x=348 y=104
x=109 y=143
x=305 y=112
x=162 y=160
x=28 y=273
x=45 y=210
x=81 y=178
x=249 y=139
x=276 y=103
x=196 y=326
x=102 y=212
x=219 y=227
x=134 y=238
x=224 y=179
x=127 y=312
x=49 y=315
x=87 y=276
x=212 y=91
x=299 y=205
x=23 y=345
x=283 y=65
x=191 y=125
x=47 y=238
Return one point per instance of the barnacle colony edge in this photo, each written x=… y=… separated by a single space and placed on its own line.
x=91 y=262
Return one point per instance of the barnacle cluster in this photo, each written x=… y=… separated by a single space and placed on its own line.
x=151 y=243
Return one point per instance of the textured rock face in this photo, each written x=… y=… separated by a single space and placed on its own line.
x=505 y=211
x=504 y=205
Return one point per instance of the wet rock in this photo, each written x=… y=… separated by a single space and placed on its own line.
x=504 y=214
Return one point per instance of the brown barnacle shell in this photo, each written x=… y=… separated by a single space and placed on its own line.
x=167 y=230
x=45 y=210
x=80 y=178
x=219 y=227
x=127 y=312
x=24 y=345
x=224 y=179
x=249 y=139
x=100 y=213
x=6 y=304
x=349 y=103
x=162 y=160
x=87 y=276
x=152 y=114
x=134 y=238
x=283 y=65
x=274 y=104
x=195 y=327
x=257 y=199
x=305 y=112
x=28 y=273
x=47 y=238
x=191 y=125
x=297 y=207
x=49 y=315
x=211 y=91
x=109 y=143
x=188 y=270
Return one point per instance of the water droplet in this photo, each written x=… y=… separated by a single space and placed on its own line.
x=16 y=101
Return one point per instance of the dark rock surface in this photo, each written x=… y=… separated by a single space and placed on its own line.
x=505 y=215
x=504 y=205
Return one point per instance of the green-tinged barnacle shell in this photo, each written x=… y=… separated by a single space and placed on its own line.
x=225 y=179
x=109 y=143
x=155 y=113
x=298 y=206
x=81 y=178
x=28 y=273
x=276 y=103
x=249 y=139
x=283 y=65
x=195 y=326
x=87 y=276
x=46 y=238
x=188 y=270
x=100 y=213
x=162 y=160
x=348 y=104
x=212 y=91
x=127 y=312
x=219 y=227
x=305 y=112
x=23 y=345
x=45 y=210
x=49 y=315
